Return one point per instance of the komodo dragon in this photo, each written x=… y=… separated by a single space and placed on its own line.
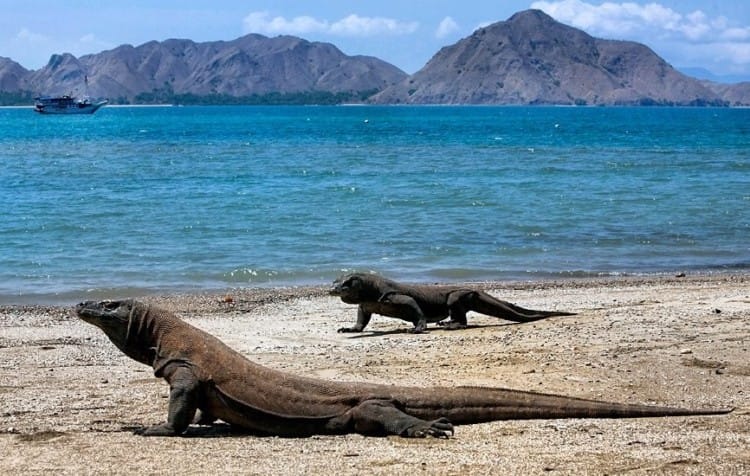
x=421 y=304
x=205 y=374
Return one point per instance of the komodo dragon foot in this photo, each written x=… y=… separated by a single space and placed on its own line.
x=165 y=429
x=451 y=325
x=437 y=428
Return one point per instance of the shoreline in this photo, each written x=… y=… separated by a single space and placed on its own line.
x=71 y=399
x=70 y=298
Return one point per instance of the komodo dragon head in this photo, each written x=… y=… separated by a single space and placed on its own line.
x=356 y=288
x=121 y=321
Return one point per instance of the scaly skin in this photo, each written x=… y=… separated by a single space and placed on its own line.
x=205 y=374
x=420 y=304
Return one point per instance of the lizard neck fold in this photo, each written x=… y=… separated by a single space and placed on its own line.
x=143 y=335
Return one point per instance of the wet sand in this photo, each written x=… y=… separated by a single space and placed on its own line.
x=70 y=399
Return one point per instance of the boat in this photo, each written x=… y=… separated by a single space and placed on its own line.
x=66 y=104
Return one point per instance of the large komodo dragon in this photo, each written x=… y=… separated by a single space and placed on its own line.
x=205 y=374
x=420 y=304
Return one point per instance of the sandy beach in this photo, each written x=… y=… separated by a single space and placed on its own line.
x=70 y=399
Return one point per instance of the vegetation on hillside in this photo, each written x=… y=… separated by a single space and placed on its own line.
x=167 y=96
x=16 y=98
x=26 y=98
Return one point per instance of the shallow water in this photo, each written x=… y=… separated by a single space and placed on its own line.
x=134 y=200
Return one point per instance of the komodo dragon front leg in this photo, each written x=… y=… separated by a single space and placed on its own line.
x=183 y=402
x=363 y=318
x=396 y=305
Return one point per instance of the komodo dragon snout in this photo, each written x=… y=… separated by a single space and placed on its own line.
x=102 y=308
x=114 y=318
x=105 y=314
x=350 y=289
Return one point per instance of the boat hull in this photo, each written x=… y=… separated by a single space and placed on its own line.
x=67 y=105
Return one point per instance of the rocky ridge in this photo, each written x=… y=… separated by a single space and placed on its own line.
x=533 y=59
x=528 y=59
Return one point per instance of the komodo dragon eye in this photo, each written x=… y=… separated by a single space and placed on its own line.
x=111 y=305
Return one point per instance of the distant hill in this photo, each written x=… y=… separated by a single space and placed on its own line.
x=253 y=65
x=528 y=59
x=533 y=59
x=734 y=94
x=11 y=74
x=705 y=75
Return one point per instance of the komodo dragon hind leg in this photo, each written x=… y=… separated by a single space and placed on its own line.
x=459 y=303
x=378 y=417
x=203 y=418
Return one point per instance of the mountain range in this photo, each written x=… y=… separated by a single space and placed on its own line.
x=250 y=65
x=528 y=59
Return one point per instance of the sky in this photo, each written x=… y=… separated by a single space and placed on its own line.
x=711 y=35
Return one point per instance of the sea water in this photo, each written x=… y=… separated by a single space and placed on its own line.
x=133 y=200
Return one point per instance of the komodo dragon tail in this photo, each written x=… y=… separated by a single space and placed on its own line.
x=466 y=405
x=491 y=306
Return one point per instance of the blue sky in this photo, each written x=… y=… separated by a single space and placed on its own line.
x=714 y=35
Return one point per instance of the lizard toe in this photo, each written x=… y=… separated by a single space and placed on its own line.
x=440 y=428
x=443 y=425
x=157 y=430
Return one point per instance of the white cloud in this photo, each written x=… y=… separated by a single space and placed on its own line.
x=27 y=36
x=447 y=26
x=89 y=43
x=628 y=19
x=733 y=57
x=352 y=25
x=736 y=34
x=355 y=25
x=262 y=22
x=739 y=54
x=35 y=49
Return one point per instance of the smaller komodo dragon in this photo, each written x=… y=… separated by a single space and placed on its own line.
x=420 y=304
x=205 y=374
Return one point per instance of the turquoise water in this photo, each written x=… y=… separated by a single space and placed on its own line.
x=135 y=200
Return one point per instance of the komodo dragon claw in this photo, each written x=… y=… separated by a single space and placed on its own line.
x=439 y=428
